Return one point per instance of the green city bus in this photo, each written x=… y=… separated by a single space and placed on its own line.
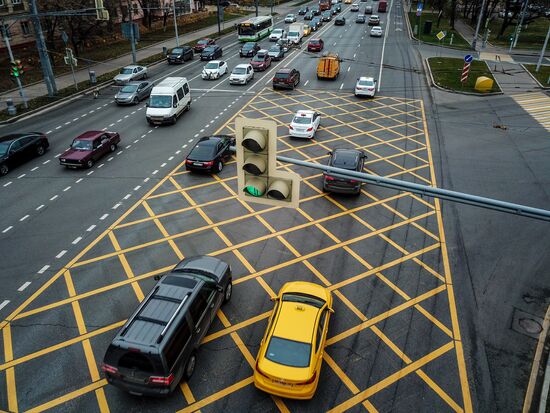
x=255 y=28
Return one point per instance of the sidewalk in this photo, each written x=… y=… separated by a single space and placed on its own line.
x=66 y=80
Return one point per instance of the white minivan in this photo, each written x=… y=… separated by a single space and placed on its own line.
x=168 y=100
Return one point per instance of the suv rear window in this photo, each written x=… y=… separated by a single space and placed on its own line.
x=137 y=361
x=282 y=75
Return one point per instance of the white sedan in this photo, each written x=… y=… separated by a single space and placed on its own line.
x=304 y=124
x=365 y=86
x=214 y=69
x=376 y=31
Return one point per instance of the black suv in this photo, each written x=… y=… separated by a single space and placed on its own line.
x=249 y=49
x=210 y=153
x=157 y=346
x=351 y=159
x=340 y=21
x=18 y=148
x=180 y=54
x=286 y=78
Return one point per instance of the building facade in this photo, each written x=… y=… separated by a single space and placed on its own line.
x=19 y=31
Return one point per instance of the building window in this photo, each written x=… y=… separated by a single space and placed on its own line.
x=25 y=28
x=14 y=2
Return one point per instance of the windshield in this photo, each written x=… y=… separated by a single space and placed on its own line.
x=288 y=352
x=203 y=41
x=259 y=58
x=82 y=145
x=239 y=71
x=4 y=147
x=211 y=65
x=302 y=120
x=209 y=49
x=129 y=89
x=293 y=34
x=275 y=49
x=177 y=51
x=248 y=46
x=126 y=71
x=160 y=101
x=246 y=30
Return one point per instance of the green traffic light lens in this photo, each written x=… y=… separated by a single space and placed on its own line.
x=252 y=190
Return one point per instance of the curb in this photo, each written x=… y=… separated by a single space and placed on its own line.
x=534 y=78
x=432 y=82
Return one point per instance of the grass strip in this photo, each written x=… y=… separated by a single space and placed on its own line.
x=447 y=71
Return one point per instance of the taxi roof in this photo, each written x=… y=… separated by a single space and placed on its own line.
x=296 y=321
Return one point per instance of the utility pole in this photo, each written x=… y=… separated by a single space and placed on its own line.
x=132 y=35
x=175 y=23
x=47 y=70
x=256 y=2
x=218 y=17
x=12 y=59
x=543 y=50
x=474 y=42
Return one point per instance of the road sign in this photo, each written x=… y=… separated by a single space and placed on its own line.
x=441 y=35
x=465 y=72
x=258 y=179
x=419 y=8
x=468 y=58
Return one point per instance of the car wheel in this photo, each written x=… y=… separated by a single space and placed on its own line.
x=145 y=75
x=190 y=366
x=112 y=148
x=219 y=167
x=174 y=119
x=4 y=169
x=188 y=107
x=89 y=163
x=135 y=101
x=40 y=150
x=228 y=292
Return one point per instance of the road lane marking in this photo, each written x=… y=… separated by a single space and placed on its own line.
x=341 y=86
x=57 y=127
x=89 y=173
x=45 y=162
x=39 y=207
x=155 y=172
x=115 y=206
x=100 y=166
x=4 y=303
x=43 y=269
x=8 y=183
x=137 y=187
x=76 y=240
x=146 y=179
x=53 y=198
x=127 y=196
x=110 y=159
x=25 y=285
x=7 y=229
x=78 y=180
x=24 y=218
x=67 y=188
x=90 y=228
x=163 y=165
x=61 y=254
x=103 y=216
x=170 y=158
x=34 y=169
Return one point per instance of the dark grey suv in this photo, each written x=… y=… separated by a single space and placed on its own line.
x=351 y=159
x=157 y=346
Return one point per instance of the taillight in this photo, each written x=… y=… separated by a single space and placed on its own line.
x=109 y=369
x=370 y=88
x=165 y=381
x=309 y=129
x=188 y=161
x=329 y=178
x=210 y=163
x=290 y=127
x=353 y=181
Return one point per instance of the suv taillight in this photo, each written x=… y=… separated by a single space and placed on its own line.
x=109 y=369
x=165 y=381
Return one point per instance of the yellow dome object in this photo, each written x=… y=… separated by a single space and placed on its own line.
x=484 y=84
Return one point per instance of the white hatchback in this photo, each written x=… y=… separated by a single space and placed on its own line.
x=277 y=34
x=214 y=69
x=241 y=74
x=365 y=86
x=304 y=124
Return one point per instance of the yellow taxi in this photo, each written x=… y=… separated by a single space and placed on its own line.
x=347 y=1
x=291 y=352
x=307 y=30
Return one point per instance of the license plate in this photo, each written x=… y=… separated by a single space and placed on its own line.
x=282 y=383
x=197 y=163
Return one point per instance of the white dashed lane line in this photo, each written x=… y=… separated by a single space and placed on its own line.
x=137 y=187
x=89 y=173
x=163 y=165
x=61 y=254
x=66 y=189
x=7 y=229
x=115 y=206
x=53 y=198
x=155 y=172
x=24 y=218
x=57 y=127
x=110 y=159
x=8 y=183
x=341 y=86
x=34 y=169
x=39 y=207
x=76 y=240
x=170 y=158
x=100 y=166
x=146 y=179
x=43 y=269
x=47 y=133
x=25 y=285
x=127 y=196
x=45 y=162
x=119 y=152
x=103 y=216
x=78 y=180
x=90 y=228
x=4 y=303
x=190 y=140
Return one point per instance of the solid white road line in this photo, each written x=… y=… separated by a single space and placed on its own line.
x=384 y=48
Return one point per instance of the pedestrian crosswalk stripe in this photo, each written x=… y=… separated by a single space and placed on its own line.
x=537 y=105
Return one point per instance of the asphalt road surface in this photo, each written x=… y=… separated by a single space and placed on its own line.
x=426 y=293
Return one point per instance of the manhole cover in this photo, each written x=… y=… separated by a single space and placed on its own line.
x=529 y=325
x=526 y=324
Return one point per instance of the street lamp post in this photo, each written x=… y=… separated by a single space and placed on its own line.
x=175 y=23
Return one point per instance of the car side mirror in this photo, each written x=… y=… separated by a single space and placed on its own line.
x=175 y=105
x=157 y=277
x=274 y=298
x=331 y=310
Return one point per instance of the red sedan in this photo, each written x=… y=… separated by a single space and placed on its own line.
x=89 y=147
x=203 y=43
x=315 y=45
x=261 y=61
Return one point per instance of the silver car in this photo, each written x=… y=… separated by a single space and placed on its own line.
x=130 y=73
x=133 y=92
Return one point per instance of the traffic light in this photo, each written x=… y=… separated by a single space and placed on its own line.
x=101 y=12
x=257 y=175
x=17 y=69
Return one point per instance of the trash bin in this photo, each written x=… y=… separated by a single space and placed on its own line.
x=428 y=27
x=12 y=110
x=93 y=79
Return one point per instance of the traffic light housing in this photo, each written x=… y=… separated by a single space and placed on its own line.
x=257 y=175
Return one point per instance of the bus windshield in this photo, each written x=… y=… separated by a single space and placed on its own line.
x=247 y=30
